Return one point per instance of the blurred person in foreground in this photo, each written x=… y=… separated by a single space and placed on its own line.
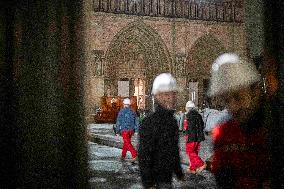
x=126 y=125
x=241 y=157
x=193 y=126
x=158 y=151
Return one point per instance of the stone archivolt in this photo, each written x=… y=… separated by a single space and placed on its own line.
x=142 y=47
x=137 y=51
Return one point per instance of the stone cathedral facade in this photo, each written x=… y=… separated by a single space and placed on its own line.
x=129 y=42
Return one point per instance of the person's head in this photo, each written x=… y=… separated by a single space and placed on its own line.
x=189 y=105
x=237 y=83
x=244 y=102
x=126 y=102
x=164 y=90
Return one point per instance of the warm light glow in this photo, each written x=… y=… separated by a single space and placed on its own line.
x=139 y=86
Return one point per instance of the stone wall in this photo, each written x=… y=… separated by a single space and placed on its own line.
x=183 y=47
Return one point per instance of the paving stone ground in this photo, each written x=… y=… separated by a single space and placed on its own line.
x=108 y=172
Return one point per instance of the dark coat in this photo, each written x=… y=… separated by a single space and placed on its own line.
x=195 y=126
x=158 y=150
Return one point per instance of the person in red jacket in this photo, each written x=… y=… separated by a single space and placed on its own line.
x=193 y=126
x=241 y=157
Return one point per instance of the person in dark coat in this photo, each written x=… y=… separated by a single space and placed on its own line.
x=194 y=126
x=241 y=157
x=158 y=149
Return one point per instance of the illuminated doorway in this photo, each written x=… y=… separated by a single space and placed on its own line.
x=193 y=92
x=123 y=88
x=139 y=85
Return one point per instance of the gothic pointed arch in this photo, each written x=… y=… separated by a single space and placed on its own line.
x=200 y=59
x=202 y=54
x=137 y=44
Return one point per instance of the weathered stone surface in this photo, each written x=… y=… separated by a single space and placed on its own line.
x=159 y=42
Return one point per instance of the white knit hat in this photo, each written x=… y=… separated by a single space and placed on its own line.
x=190 y=104
x=229 y=73
x=126 y=101
x=164 y=82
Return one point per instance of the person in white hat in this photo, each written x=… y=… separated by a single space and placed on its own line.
x=158 y=151
x=126 y=125
x=241 y=153
x=193 y=126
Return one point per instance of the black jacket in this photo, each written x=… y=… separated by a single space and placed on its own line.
x=158 y=150
x=195 y=126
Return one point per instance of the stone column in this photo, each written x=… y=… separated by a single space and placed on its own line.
x=42 y=117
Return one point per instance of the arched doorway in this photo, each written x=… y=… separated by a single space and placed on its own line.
x=201 y=56
x=136 y=55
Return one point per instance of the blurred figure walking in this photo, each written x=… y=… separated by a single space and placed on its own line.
x=126 y=125
x=241 y=154
x=158 y=152
x=193 y=126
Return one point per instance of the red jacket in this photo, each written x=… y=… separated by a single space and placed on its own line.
x=240 y=156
